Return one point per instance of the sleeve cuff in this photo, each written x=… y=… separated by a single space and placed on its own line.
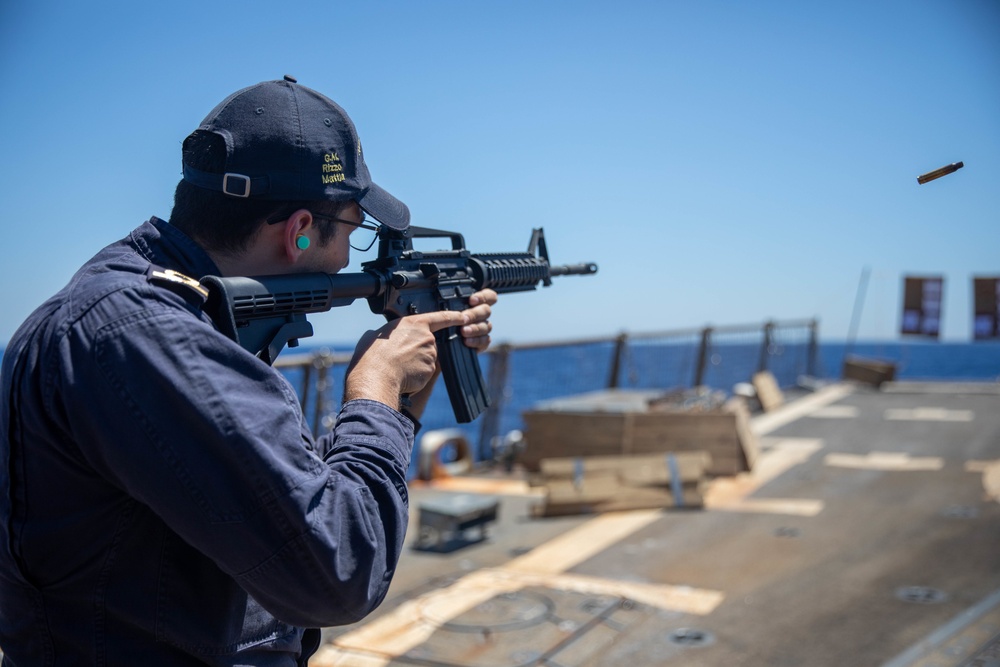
x=368 y=418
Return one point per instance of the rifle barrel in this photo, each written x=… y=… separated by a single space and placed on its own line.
x=584 y=269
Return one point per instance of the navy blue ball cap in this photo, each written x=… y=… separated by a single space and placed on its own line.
x=287 y=142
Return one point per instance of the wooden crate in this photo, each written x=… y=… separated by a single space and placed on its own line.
x=869 y=371
x=622 y=422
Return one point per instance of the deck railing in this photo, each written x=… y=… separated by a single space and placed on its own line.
x=520 y=375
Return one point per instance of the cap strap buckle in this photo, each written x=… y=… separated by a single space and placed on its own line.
x=236 y=190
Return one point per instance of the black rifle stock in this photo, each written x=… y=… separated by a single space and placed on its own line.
x=265 y=313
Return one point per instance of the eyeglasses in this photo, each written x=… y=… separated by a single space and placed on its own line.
x=363 y=238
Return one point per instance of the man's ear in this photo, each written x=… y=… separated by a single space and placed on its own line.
x=298 y=234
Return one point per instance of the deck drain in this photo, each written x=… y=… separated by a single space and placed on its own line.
x=691 y=637
x=921 y=594
x=597 y=606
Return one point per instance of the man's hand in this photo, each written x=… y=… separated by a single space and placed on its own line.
x=477 y=331
x=401 y=357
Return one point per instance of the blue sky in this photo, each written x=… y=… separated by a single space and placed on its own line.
x=723 y=162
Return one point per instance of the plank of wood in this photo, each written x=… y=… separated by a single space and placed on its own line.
x=647 y=468
x=578 y=485
x=692 y=497
x=768 y=392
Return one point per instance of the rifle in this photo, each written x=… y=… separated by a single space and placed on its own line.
x=265 y=313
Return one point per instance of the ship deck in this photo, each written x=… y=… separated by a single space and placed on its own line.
x=867 y=533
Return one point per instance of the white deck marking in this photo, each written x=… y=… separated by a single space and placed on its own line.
x=835 y=412
x=888 y=461
x=763 y=424
x=584 y=541
x=930 y=415
x=787 y=506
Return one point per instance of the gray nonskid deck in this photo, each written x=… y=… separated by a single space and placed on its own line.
x=867 y=534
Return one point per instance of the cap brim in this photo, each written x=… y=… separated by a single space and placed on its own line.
x=385 y=208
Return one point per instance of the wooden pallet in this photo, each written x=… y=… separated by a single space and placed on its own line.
x=578 y=485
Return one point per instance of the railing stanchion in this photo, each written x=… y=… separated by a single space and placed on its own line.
x=496 y=384
x=765 y=346
x=621 y=345
x=706 y=344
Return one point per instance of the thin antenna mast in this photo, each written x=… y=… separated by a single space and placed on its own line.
x=859 y=304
